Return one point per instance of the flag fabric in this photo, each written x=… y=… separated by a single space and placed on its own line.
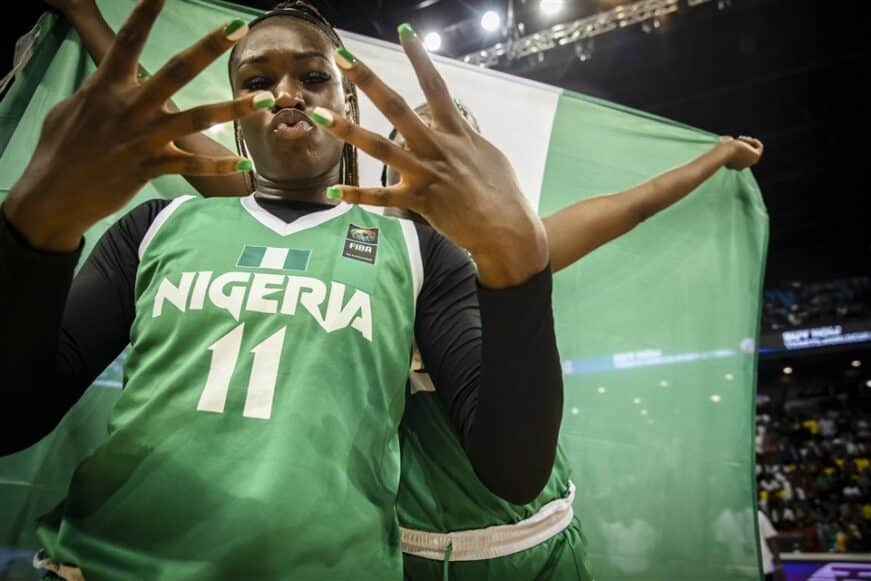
x=657 y=330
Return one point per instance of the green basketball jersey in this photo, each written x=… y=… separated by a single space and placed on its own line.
x=439 y=490
x=256 y=435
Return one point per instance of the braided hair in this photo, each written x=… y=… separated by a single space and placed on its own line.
x=349 y=170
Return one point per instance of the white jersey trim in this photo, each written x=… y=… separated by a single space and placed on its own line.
x=412 y=244
x=159 y=220
x=281 y=227
x=496 y=541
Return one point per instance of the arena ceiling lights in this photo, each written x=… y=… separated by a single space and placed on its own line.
x=572 y=32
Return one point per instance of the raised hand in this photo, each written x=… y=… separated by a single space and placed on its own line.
x=745 y=151
x=460 y=182
x=102 y=144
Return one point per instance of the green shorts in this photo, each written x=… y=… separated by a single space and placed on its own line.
x=560 y=558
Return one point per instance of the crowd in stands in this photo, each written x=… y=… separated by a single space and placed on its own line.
x=814 y=478
x=807 y=304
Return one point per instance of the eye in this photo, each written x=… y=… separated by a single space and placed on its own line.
x=257 y=83
x=316 y=78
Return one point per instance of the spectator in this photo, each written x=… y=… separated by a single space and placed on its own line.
x=814 y=473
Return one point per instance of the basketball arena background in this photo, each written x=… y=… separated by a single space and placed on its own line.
x=659 y=331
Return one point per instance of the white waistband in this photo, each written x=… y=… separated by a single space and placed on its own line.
x=495 y=541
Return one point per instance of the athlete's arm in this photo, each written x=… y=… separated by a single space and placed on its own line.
x=574 y=232
x=492 y=355
x=97 y=36
x=59 y=333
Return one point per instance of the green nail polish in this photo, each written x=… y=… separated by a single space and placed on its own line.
x=322 y=116
x=244 y=165
x=264 y=101
x=334 y=193
x=406 y=32
x=233 y=30
x=344 y=58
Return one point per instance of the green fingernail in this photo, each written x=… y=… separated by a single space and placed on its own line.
x=406 y=32
x=264 y=100
x=235 y=29
x=334 y=193
x=322 y=116
x=244 y=165
x=344 y=58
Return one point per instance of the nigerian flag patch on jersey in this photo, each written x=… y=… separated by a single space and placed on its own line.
x=274 y=258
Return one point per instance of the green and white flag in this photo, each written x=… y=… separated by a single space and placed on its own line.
x=657 y=330
x=274 y=258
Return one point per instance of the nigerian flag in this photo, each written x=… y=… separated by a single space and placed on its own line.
x=657 y=330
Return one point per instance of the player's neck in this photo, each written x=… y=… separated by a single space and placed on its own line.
x=313 y=190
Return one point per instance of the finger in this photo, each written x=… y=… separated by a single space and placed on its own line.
x=750 y=142
x=398 y=196
x=199 y=119
x=756 y=143
x=375 y=145
x=388 y=101
x=183 y=67
x=188 y=164
x=444 y=113
x=123 y=56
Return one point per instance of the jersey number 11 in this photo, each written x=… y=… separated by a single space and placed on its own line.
x=261 y=384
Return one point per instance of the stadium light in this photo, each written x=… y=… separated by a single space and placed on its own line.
x=787 y=370
x=715 y=398
x=551 y=7
x=490 y=21
x=432 y=41
x=856 y=363
x=868 y=383
x=601 y=390
x=568 y=33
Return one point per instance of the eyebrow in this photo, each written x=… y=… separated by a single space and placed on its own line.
x=263 y=57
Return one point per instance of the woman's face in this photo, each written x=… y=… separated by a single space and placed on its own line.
x=293 y=60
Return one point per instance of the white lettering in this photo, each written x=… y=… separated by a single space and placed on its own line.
x=198 y=297
x=339 y=317
x=227 y=291
x=177 y=295
x=309 y=292
x=260 y=289
x=229 y=301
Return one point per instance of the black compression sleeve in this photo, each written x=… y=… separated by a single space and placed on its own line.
x=493 y=358
x=59 y=333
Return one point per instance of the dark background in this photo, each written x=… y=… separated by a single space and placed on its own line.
x=791 y=72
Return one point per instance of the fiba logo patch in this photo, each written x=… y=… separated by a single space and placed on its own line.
x=367 y=235
x=361 y=243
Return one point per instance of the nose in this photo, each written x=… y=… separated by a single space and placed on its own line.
x=288 y=97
